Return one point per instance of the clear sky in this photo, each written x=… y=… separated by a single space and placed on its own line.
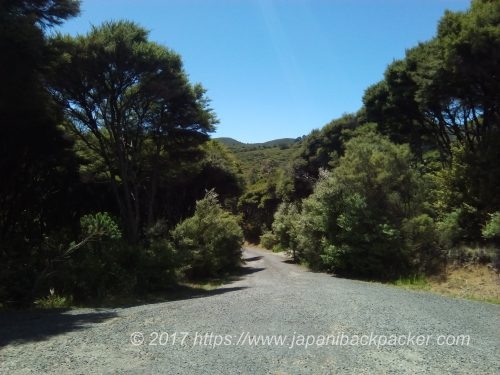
x=278 y=68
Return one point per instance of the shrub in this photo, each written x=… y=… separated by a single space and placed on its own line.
x=422 y=241
x=449 y=229
x=210 y=240
x=491 y=229
x=53 y=301
x=158 y=264
x=285 y=226
x=94 y=266
x=351 y=224
x=268 y=240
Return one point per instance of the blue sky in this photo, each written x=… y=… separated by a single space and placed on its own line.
x=278 y=68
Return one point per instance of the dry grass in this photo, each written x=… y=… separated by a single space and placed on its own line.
x=479 y=282
x=471 y=281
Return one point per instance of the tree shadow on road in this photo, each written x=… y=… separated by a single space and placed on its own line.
x=252 y=259
x=17 y=327
x=189 y=289
x=21 y=326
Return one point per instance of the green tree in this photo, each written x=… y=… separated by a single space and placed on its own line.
x=210 y=240
x=447 y=86
x=285 y=227
x=321 y=149
x=36 y=163
x=457 y=84
x=257 y=206
x=129 y=100
x=352 y=223
x=221 y=171
x=391 y=104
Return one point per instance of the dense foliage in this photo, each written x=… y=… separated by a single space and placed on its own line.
x=101 y=135
x=211 y=239
x=106 y=163
x=364 y=216
x=138 y=114
x=405 y=198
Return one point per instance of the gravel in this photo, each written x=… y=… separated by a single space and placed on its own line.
x=210 y=334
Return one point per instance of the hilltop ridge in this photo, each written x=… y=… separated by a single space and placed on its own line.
x=281 y=142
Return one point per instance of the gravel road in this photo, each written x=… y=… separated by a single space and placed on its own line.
x=327 y=326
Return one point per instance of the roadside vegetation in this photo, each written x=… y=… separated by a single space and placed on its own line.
x=108 y=172
x=478 y=282
x=407 y=188
x=112 y=187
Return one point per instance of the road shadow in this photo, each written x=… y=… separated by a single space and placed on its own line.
x=195 y=288
x=252 y=259
x=189 y=292
x=290 y=261
x=244 y=271
x=21 y=326
x=17 y=327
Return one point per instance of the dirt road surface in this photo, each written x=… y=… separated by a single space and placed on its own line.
x=278 y=318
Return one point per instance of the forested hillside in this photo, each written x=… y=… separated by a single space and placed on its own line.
x=112 y=186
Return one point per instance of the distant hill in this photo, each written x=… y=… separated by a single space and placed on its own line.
x=229 y=142
x=275 y=154
x=233 y=143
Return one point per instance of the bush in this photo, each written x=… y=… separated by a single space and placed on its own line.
x=422 y=241
x=285 y=226
x=97 y=265
x=53 y=301
x=471 y=255
x=351 y=224
x=268 y=240
x=491 y=229
x=210 y=241
x=449 y=229
x=157 y=265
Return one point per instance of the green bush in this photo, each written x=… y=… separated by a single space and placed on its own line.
x=352 y=223
x=422 y=240
x=53 y=301
x=210 y=241
x=96 y=265
x=268 y=240
x=158 y=264
x=491 y=229
x=449 y=229
x=285 y=226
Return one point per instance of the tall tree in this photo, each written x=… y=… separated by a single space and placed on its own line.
x=129 y=101
x=448 y=86
x=35 y=160
x=321 y=150
x=457 y=74
x=391 y=104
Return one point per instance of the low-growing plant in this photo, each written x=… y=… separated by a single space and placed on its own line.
x=491 y=229
x=53 y=301
x=416 y=281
